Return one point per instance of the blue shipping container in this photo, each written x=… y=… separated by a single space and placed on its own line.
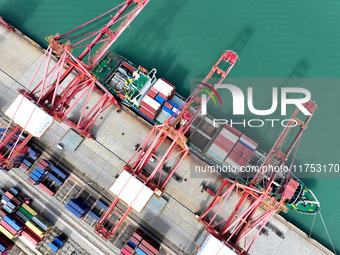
x=93 y=215
x=34 y=177
x=72 y=210
x=27 y=163
x=15 y=191
x=3 y=247
x=159 y=99
x=37 y=173
x=59 y=241
x=32 y=152
x=102 y=205
x=55 y=179
x=79 y=206
x=140 y=252
x=39 y=170
x=54 y=247
x=5 y=198
x=58 y=172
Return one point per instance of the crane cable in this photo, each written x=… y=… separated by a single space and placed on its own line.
x=329 y=237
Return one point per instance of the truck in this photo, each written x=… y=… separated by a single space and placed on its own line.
x=57 y=243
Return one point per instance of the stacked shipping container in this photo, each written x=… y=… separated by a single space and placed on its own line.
x=77 y=208
x=140 y=244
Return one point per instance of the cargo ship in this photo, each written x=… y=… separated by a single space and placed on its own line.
x=156 y=100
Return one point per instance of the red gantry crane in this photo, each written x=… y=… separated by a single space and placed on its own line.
x=167 y=144
x=66 y=91
x=234 y=217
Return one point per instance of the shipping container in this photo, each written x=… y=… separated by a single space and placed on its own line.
x=140 y=252
x=217 y=153
x=44 y=162
x=39 y=170
x=163 y=116
x=35 y=229
x=22 y=216
x=224 y=143
x=150 y=102
x=11 y=205
x=150 y=246
x=16 y=201
x=5 y=199
x=29 y=209
x=138 y=234
x=125 y=252
x=93 y=215
x=54 y=178
x=2 y=213
x=79 y=206
x=129 y=248
x=41 y=222
x=232 y=130
x=152 y=93
x=13 y=222
x=30 y=180
x=8 y=227
x=34 y=177
x=102 y=204
x=41 y=166
x=248 y=142
x=25 y=212
x=147 y=113
x=53 y=247
x=243 y=150
x=27 y=163
x=4 y=231
x=15 y=191
x=30 y=237
x=46 y=189
x=61 y=174
x=9 y=194
x=38 y=173
x=159 y=99
x=72 y=210
x=133 y=242
x=24 y=166
x=7 y=209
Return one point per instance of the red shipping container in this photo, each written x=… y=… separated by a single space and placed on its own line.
x=234 y=156
x=24 y=166
x=47 y=190
x=168 y=105
x=148 y=107
x=41 y=166
x=147 y=113
x=243 y=150
x=16 y=201
x=129 y=248
x=146 y=250
x=152 y=92
x=8 y=227
x=9 y=194
x=135 y=240
x=150 y=246
x=31 y=238
x=125 y=252
x=30 y=180
x=224 y=143
x=16 y=217
x=232 y=130
x=138 y=236
x=2 y=213
x=44 y=162
x=35 y=235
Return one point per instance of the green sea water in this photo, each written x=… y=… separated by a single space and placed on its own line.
x=274 y=39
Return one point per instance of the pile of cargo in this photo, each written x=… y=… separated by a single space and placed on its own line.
x=153 y=101
x=47 y=176
x=232 y=148
x=140 y=244
x=19 y=218
x=29 y=159
x=5 y=245
x=77 y=208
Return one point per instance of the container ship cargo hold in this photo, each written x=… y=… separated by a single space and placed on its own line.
x=156 y=100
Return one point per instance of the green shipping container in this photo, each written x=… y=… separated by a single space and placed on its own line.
x=26 y=213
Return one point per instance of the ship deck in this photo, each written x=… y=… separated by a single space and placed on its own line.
x=99 y=161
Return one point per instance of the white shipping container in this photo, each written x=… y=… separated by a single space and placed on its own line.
x=153 y=103
x=163 y=87
x=230 y=136
x=248 y=143
x=23 y=108
x=217 y=153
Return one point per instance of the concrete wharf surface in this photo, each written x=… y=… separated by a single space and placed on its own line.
x=102 y=159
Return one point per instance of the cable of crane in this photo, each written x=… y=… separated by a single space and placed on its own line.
x=311 y=229
x=329 y=237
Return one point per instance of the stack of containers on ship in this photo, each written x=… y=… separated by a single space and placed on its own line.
x=156 y=102
x=77 y=208
x=140 y=244
x=18 y=218
x=231 y=148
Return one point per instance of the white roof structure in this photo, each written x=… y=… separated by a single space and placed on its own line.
x=132 y=191
x=213 y=246
x=36 y=120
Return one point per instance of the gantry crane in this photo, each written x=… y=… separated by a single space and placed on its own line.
x=67 y=86
x=167 y=143
x=234 y=216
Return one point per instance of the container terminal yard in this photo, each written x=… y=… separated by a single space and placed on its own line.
x=66 y=182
